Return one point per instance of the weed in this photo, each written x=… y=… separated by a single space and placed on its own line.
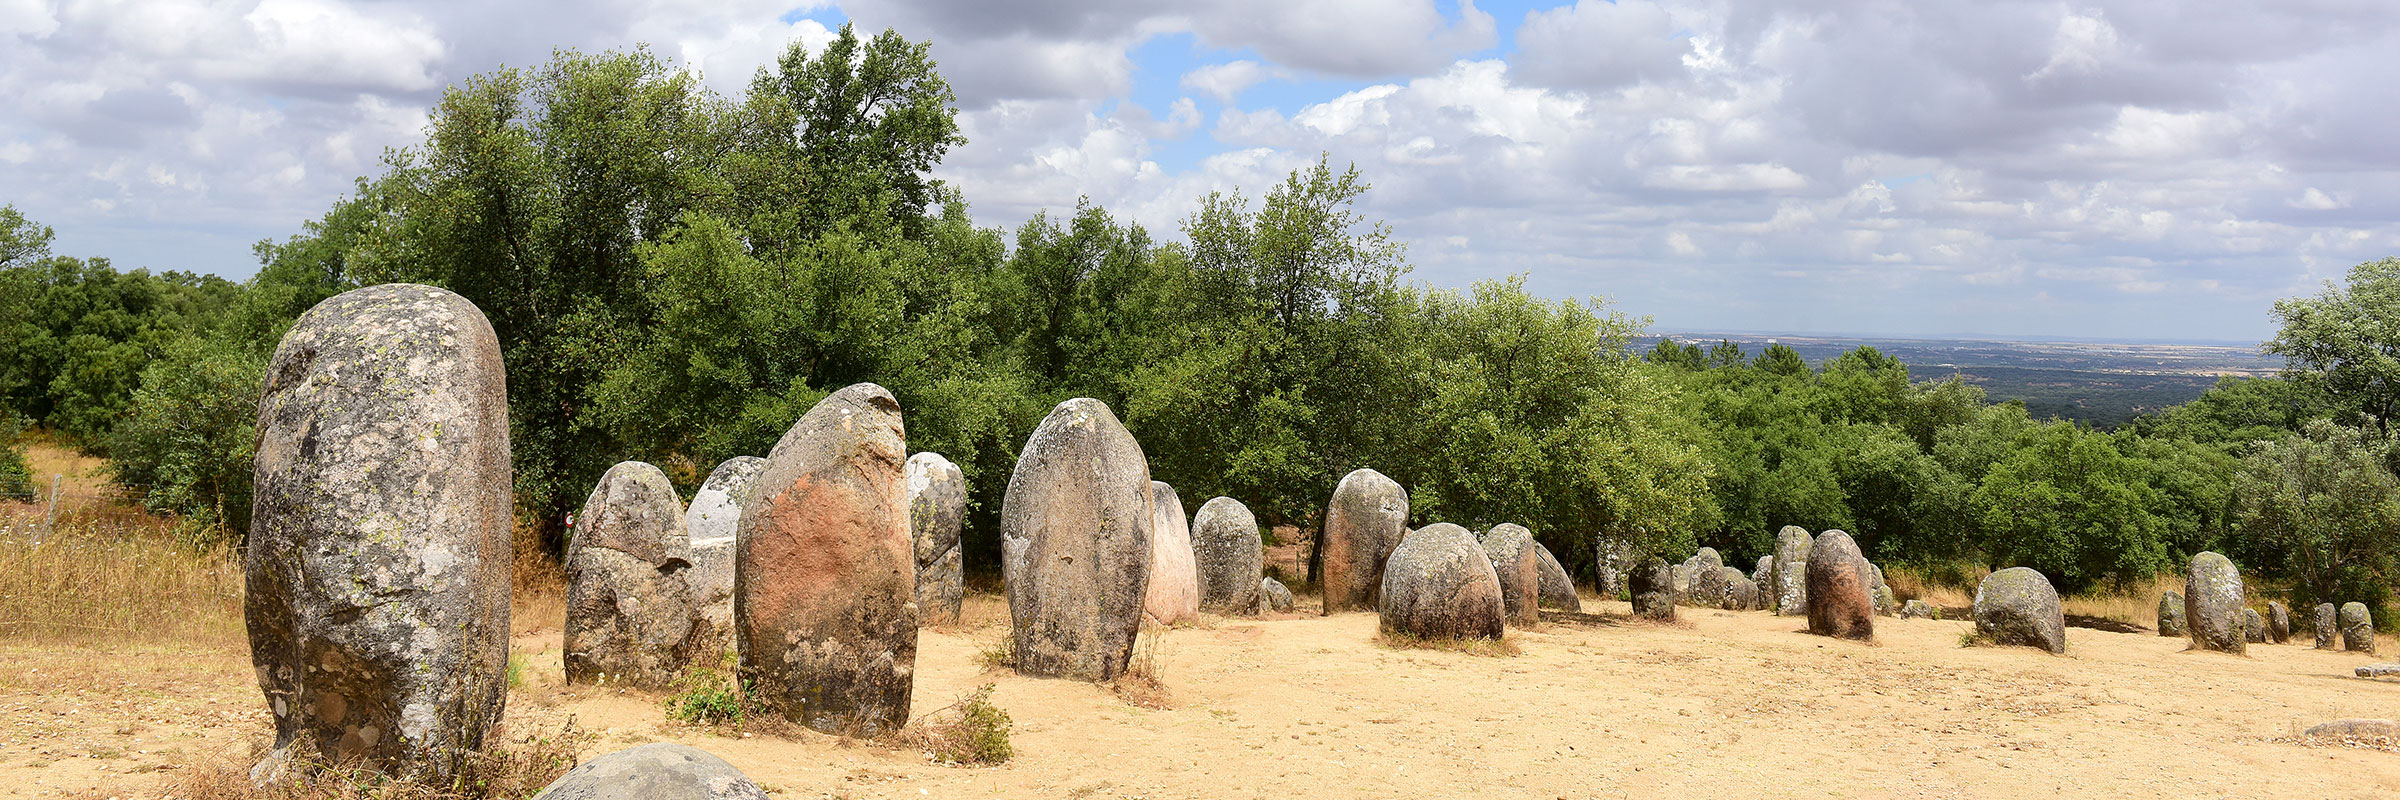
x=705 y=696
x=1971 y=637
x=1001 y=654
x=1143 y=683
x=971 y=731
x=516 y=670
x=510 y=768
x=1474 y=646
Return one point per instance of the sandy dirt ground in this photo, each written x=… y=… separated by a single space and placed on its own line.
x=1721 y=704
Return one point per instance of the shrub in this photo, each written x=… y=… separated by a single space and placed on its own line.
x=970 y=731
x=706 y=696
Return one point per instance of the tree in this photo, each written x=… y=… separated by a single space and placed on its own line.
x=2069 y=504
x=2347 y=340
x=2324 y=499
x=22 y=241
x=187 y=437
x=851 y=134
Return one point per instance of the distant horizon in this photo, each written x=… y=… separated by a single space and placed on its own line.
x=2025 y=338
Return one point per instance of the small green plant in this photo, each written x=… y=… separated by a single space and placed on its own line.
x=1001 y=654
x=1972 y=638
x=705 y=696
x=970 y=731
x=516 y=670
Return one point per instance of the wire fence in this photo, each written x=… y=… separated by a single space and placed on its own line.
x=36 y=508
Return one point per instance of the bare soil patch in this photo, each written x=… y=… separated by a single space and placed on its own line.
x=1720 y=704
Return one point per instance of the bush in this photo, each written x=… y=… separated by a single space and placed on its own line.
x=16 y=480
x=706 y=696
x=970 y=731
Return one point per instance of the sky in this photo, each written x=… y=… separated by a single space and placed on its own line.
x=2144 y=169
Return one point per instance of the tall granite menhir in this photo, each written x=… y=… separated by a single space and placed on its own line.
x=1231 y=555
x=1075 y=544
x=378 y=554
x=714 y=517
x=937 y=503
x=826 y=572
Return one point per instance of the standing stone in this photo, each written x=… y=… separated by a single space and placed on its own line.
x=1558 y=590
x=1652 y=583
x=1919 y=609
x=2170 y=615
x=1367 y=518
x=630 y=615
x=1744 y=591
x=1701 y=576
x=1231 y=554
x=2358 y=630
x=1510 y=548
x=2325 y=626
x=2212 y=605
x=1711 y=586
x=1439 y=584
x=714 y=517
x=1762 y=579
x=1886 y=603
x=937 y=505
x=825 y=579
x=2017 y=606
x=378 y=556
x=1791 y=571
x=2254 y=627
x=1075 y=532
x=655 y=771
x=1275 y=595
x=1683 y=581
x=1838 y=604
x=2279 y=622
x=1174 y=594
x=1609 y=564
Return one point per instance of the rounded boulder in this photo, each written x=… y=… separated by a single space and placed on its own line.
x=1075 y=532
x=630 y=615
x=1275 y=595
x=825 y=580
x=2358 y=628
x=1439 y=584
x=1174 y=593
x=2017 y=606
x=1652 y=584
x=1557 y=588
x=2279 y=622
x=937 y=505
x=1231 y=555
x=377 y=562
x=2170 y=615
x=2212 y=603
x=655 y=771
x=1510 y=548
x=2326 y=628
x=1839 y=604
x=1366 y=519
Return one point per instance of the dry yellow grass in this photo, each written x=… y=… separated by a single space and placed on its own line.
x=113 y=577
x=2134 y=603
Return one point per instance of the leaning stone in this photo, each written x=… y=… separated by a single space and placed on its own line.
x=1231 y=554
x=630 y=616
x=378 y=557
x=937 y=505
x=1790 y=581
x=1277 y=597
x=2254 y=627
x=2279 y=622
x=655 y=771
x=826 y=587
x=2170 y=615
x=1558 y=590
x=2325 y=626
x=714 y=517
x=1919 y=609
x=1366 y=519
x=2379 y=671
x=1652 y=584
x=1438 y=584
x=1174 y=593
x=1838 y=603
x=2017 y=606
x=2378 y=730
x=1075 y=532
x=1510 y=548
x=2358 y=628
x=2213 y=603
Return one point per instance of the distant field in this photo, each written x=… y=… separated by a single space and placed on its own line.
x=2101 y=384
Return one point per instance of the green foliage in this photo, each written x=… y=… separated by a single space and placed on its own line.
x=16 y=481
x=971 y=731
x=707 y=696
x=2323 y=501
x=2071 y=505
x=188 y=433
x=2346 y=340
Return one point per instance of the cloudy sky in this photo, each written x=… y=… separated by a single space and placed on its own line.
x=2105 y=169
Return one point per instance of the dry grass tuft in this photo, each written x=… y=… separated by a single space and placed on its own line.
x=2133 y=603
x=513 y=768
x=1000 y=654
x=1144 y=681
x=107 y=575
x=1491 y=648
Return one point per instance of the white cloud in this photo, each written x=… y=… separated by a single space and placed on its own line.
x=1227 y=81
